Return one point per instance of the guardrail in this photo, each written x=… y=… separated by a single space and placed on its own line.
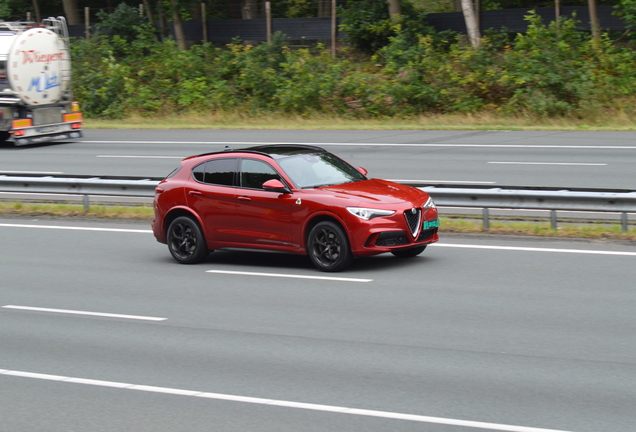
x=622 y=202
x=486 y=198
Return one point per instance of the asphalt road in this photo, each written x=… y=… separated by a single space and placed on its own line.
x=475 y=334
x=498 y=158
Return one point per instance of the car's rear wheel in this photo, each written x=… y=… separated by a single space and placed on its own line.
x=409 y=253
x=186 y=242
x=328 y=247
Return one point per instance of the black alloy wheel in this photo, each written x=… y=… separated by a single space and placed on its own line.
x=186 y=242
x=328 y=247
x=409 y=253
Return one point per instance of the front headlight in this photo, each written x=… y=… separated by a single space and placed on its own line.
x=429 y=204
x=368 y=213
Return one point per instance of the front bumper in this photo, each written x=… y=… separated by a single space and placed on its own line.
x=382 y=235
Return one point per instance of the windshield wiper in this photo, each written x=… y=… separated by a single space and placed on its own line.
x=328 y=184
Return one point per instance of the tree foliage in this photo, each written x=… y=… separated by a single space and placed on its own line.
x=548 y=71
x=369 y=27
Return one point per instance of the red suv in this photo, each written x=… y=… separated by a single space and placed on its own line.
x=289 y=198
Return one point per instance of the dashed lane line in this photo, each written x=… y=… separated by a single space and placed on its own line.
x=293 y=276
x=78 y=312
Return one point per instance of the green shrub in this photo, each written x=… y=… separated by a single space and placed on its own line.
x=548 y=71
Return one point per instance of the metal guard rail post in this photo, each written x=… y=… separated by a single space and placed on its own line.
x=492 y=198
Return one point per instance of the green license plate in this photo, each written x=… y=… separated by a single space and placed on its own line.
x=431 y=224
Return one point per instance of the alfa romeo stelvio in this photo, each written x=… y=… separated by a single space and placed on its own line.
x=289 y=198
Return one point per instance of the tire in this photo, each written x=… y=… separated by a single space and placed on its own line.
x=186 y=242
x=409 y=253
x=4 y=139
x=328 y=247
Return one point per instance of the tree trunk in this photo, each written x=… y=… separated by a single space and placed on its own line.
x=178 y=26
x=596 y=28
x=36 y=8
x=471 y=23
x=70 y=10
x=457 y=4
x=148 y=11
x=250 y=9
x=324 y=8
x=395 y=10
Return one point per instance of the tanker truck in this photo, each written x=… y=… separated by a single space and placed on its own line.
x=36 y=99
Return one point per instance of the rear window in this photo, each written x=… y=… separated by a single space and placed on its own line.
x=174 y=172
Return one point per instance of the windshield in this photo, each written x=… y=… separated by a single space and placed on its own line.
x=319 y=169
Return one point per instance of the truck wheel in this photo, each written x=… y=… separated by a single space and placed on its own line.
x=4 y=139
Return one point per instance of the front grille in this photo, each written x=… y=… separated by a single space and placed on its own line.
x=413 y=218
x=427 y=234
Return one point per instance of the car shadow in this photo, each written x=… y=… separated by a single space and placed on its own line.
x=260 y=259
x=278 y=260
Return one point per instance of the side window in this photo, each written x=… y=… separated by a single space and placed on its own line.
x=254 y=173
x=216 y=171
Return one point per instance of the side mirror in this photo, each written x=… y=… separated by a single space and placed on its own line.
x=275 y=185
x=363 y=171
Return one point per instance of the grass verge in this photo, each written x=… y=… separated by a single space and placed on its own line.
x=480 y=121
x=592 y=230
x=144 y=212
x=448 y=225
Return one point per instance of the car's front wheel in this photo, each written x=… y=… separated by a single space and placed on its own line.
x=186 y=242
x=409 y=253
x=328 y=247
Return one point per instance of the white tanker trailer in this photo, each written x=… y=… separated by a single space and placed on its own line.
x=36 y=101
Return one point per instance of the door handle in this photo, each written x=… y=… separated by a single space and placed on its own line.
x=245 y=198
x=194 y=192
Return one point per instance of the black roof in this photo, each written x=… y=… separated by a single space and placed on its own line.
x=275 y=151
x=283 y=150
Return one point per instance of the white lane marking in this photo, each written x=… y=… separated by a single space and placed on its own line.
x=550 y=163
x=76 y=228
x=283 y=275
x=140 y=157
x=441 y=181
x=31 y=172
x=532 y=249
x=76 y=312
x=371 y=144
x=279 y=403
